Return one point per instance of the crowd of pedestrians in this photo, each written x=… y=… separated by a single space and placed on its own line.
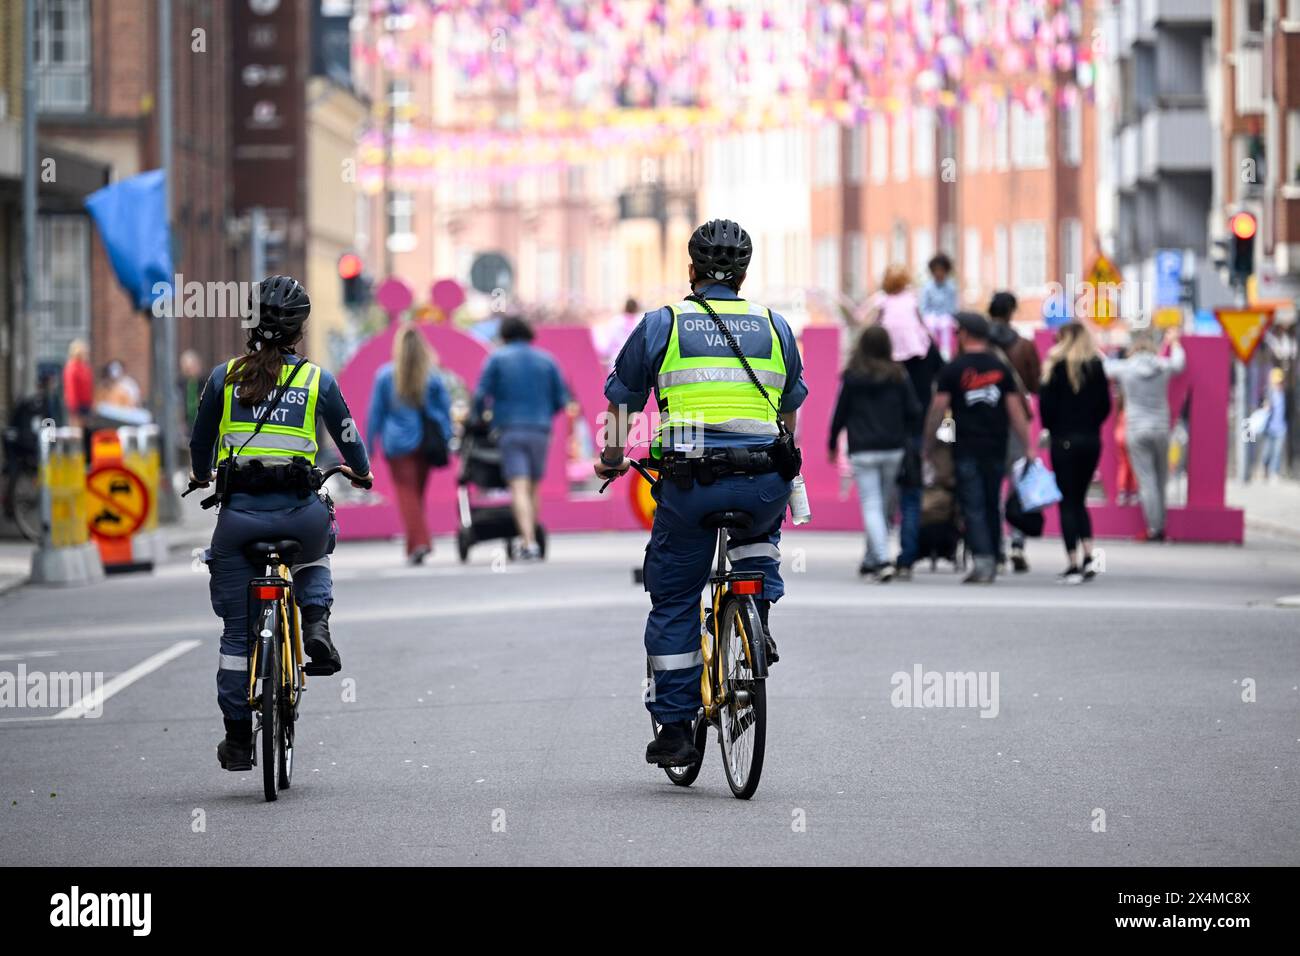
x=938 y=433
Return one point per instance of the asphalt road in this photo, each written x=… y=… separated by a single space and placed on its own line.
x=492 y=715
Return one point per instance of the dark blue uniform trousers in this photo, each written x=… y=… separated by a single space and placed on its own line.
x=231 y=573
x=678 y=562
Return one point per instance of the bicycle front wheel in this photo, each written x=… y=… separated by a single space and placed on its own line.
x=270 y=709
x=25 y=496
x=743 y=716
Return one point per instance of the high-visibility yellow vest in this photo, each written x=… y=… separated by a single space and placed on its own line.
x=701 y=382
x=290 y=429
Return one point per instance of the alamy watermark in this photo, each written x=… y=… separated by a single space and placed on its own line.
x=207 y=300
x=942 y=689
x=38 y=690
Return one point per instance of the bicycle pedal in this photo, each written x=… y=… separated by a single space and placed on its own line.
x=319 y=670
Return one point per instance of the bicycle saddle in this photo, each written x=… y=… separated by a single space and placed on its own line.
x=732 y=520
x=285 y=548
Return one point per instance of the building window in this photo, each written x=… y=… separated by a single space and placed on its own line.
x=1293 y=145
x=900 y=149
x=857 y=265
x=898 y=246
x=62 y=284
x=857 y=154
x=62 y=55
x=827 y=161
x=1000 y=137
x=879 y=149
x=923 y=132
x=1000 y=257
x=1029 y=248
x=1028 y=137
x=879 y=258
x=828 y=264
x=922 y=247
x=548 y=275
x=970 y=137
x=1071 y=252
x=971 y=253
x=1070 y=124
x=401 y=221
x=577 y=276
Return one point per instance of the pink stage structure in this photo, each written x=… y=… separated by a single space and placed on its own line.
x=567 y=507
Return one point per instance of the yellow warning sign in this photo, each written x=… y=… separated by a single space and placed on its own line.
x=1104 y=280
x=117 y=502
x=1245 y=329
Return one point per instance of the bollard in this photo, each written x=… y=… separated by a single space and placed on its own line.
x=65 y=555
x=118 y=500
x=141 y=456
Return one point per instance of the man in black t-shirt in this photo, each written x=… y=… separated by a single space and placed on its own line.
x=975 y=386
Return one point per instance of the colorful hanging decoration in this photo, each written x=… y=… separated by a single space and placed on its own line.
x=590 y=78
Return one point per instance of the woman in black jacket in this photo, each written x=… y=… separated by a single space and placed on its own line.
x=1072 y=405
x=879 y=408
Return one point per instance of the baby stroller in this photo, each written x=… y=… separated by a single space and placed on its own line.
x=481 y=518
x=940 y=537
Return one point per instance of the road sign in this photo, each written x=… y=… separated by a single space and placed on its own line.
x=643 y=502
x=118 y=502
x=1169 y=274
x=1245 y=329
x=1104 y=279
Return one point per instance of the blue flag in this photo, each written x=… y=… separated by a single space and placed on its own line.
x=131 y=217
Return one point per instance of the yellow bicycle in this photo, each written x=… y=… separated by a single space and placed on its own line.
x=733 y=685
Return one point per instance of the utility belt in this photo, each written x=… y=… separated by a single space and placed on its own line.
x=253 y=476
x=685 y=471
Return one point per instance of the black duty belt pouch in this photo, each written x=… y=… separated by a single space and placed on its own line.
x=255 y=477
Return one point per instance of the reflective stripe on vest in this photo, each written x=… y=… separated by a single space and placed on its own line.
x=291 y=429
x=702 y=383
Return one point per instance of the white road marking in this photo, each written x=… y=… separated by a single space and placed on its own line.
x=95 y=699
x=26 y=655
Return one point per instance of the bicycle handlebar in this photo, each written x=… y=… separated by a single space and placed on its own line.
x=367 y=483
x=642 y=466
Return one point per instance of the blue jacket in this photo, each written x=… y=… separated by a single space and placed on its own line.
x=523 y=385
x=397 y=425
x=637 y=367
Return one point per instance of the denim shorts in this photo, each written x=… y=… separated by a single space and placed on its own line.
x=523 y=452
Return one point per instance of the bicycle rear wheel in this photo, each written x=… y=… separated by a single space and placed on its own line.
x=743 y=717
x=270 y=704
x=25 y=498
x=682 y=776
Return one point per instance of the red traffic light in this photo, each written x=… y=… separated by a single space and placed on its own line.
x=1242 y=225
x=349 y=266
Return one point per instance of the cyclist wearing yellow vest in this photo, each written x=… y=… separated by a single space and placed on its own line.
x=716 y=431
x=257 y=420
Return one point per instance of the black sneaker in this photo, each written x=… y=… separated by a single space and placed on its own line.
x=885 y=574
x=867 y=569
x=1089 y=568
x=674 y=746
x=325 y=659
x=902 y=572
x=1018 y=562
x=1071 y=575
x=235 y=752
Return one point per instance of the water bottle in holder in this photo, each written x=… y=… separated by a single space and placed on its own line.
x=800 y=513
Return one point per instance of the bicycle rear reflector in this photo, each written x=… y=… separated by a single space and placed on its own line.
x=267 y=592
x=747 y=587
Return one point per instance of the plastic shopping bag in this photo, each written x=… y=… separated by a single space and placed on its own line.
x=1036 y=486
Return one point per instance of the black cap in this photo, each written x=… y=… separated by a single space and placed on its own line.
x=973 y=324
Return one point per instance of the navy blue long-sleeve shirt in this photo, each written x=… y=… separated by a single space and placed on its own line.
x=330 y=408
x=636 y=369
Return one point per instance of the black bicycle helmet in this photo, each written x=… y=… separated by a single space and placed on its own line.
x=720 y=250
x=281 y=305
